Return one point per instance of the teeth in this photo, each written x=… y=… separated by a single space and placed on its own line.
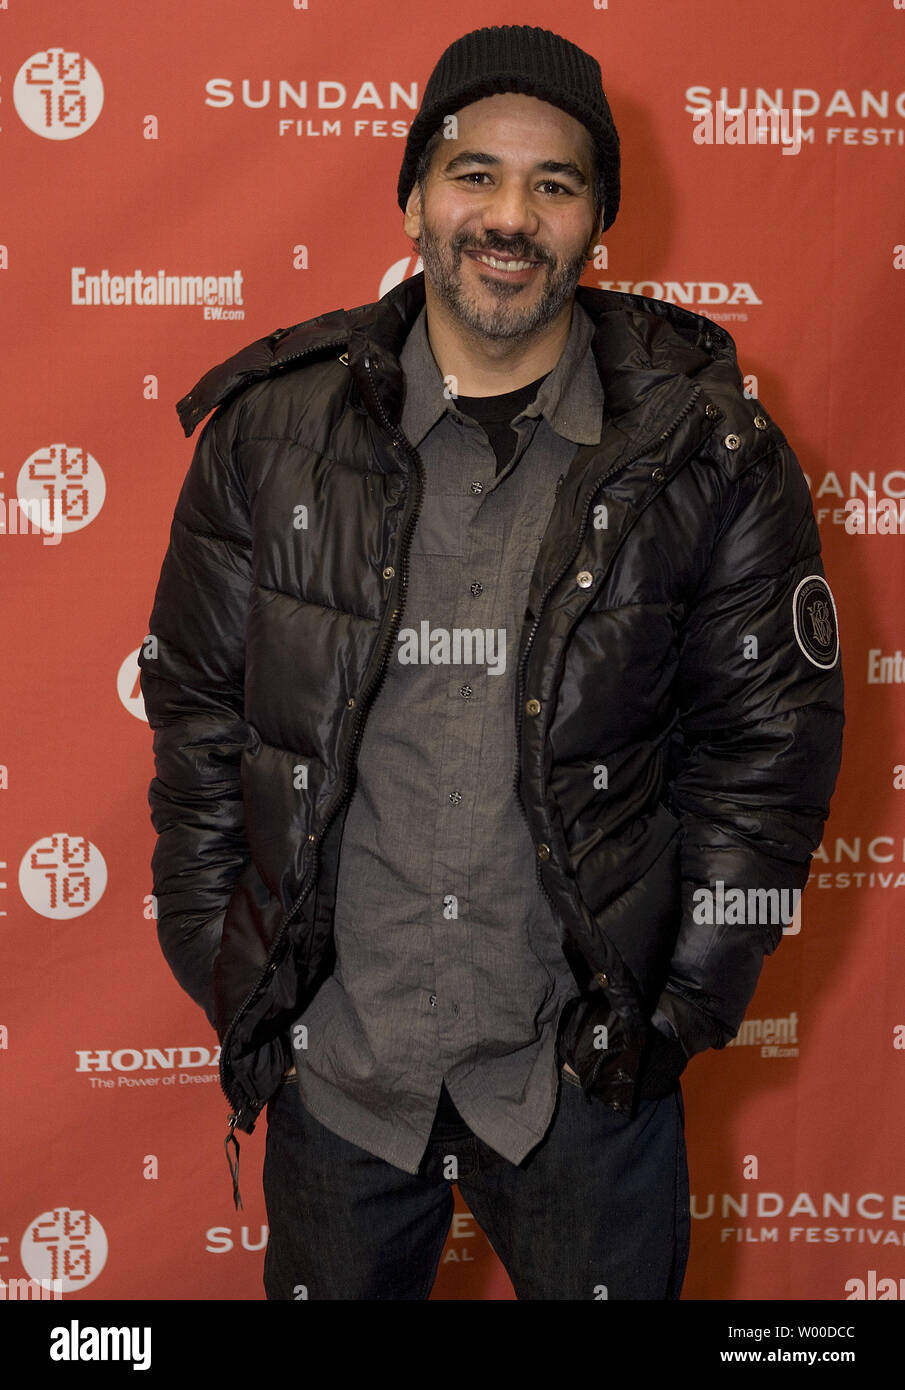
x=505 y=265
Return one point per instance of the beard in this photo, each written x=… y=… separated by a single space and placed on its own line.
x=506 y=318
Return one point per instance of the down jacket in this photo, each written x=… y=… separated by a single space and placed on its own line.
x=679 y=705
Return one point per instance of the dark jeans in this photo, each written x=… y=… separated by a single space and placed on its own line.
x=599 y=1209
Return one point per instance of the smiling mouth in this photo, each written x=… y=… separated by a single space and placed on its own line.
x=502 y=262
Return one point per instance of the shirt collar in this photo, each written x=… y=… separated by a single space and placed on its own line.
x=570 y=398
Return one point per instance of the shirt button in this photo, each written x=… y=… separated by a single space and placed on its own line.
x=432 y=1000
x=466 y=691
x=455 y=797
x=477 y=488
x=455 y=1009
x=476 y=589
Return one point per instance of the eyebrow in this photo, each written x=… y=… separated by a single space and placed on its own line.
x=547 y=166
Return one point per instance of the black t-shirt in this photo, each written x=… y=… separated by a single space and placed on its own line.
x=496 y=414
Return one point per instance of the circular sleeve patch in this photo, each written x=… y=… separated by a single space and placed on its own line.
x=814 y=621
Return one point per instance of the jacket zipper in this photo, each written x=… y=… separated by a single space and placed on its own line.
x=616 y=468
x=316 y=347
x=365 y=699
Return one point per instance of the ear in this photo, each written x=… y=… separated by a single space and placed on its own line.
x=412 y=217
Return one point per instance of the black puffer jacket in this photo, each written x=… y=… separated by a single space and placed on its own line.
x=679 y=710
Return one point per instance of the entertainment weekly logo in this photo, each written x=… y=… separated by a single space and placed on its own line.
x=216 y=294
x=776 y=1037
x=859 y=117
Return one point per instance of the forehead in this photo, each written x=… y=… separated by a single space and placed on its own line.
x=514 y=126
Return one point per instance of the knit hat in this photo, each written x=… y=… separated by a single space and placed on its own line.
x=518 y=58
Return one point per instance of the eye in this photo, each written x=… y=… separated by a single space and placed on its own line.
x=550 y=184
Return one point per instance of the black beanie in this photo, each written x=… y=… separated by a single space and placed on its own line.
x=518 y=58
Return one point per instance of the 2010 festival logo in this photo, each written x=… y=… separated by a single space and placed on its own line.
x=63 y=486
x=58 y=94
x=64 y=1247
x=62 y=876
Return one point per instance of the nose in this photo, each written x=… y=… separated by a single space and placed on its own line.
x=509 y=211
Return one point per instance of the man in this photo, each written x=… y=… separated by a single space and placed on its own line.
x=492 y=633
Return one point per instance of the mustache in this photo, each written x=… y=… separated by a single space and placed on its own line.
x=516 y=251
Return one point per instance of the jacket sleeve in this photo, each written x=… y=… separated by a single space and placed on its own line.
x=192 y=680
x=761 y=742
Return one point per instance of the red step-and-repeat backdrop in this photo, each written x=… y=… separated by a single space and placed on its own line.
x=180 y=179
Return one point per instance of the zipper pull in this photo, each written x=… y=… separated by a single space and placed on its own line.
x=233 y=1162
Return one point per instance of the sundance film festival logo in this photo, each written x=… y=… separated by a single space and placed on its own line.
x=296 y=95
x=58 y=95
x=62 y=876
x=848 y=110
x=64 y=1246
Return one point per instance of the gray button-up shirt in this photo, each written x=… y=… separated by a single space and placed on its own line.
x=449 y=962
